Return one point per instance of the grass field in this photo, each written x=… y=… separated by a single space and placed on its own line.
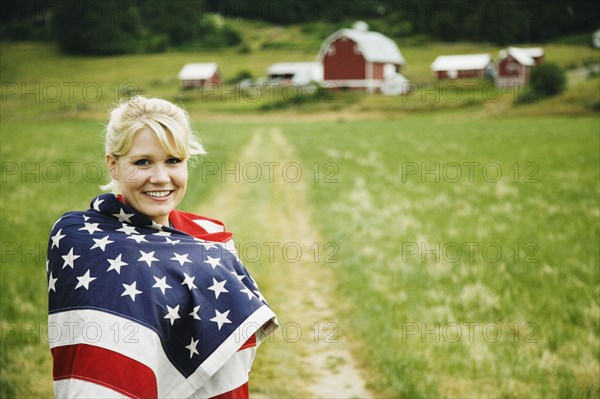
x=457 y=243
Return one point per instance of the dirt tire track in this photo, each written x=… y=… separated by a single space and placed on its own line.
x=300 y=292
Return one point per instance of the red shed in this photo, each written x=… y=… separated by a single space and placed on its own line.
x=200 y=75
x=514 y=65
x=358 y=59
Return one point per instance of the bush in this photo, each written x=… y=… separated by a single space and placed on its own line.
x=547 y=79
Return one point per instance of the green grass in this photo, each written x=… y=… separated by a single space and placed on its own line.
x=541 y=292
x=369 y=197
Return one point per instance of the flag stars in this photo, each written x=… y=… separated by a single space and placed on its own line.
x=128 y=229
x=116 y=264
x=247 y=292
x=137 y=238
x=172 y=241
x=56 y=238
x=221 y=318
x=122 y=216
x=214 y=262
x=85 y=280
x=172 y=314
x=147 y=257
x=97 y=203
x=189 y=281
x=131 y=290
x=101 y=243
x=194 y=313
x=52 y=283
x=161 y=283
x=182 y=259
x=218 y=287
x=70 y=259
x=91 y=227
x=192 y=347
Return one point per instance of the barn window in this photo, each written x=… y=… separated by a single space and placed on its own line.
x=512 y=67
x=331 y=50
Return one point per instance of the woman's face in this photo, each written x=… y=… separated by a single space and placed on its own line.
x=151 y=181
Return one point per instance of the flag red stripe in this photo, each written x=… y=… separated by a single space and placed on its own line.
x=101 y=366
x=250 y=343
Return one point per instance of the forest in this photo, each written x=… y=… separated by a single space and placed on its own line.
x=146 y=26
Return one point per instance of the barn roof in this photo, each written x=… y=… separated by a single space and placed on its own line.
x=302 y=72
x=198 y=71
x=374 y=46
x=523 y=55
x=461 y=62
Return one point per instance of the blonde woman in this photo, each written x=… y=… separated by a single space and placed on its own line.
x=147 y=301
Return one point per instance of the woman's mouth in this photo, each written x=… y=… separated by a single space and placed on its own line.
x=163 y=194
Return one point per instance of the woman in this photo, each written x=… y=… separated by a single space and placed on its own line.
x=146 y=300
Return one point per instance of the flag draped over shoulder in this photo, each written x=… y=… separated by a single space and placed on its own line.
x=146 y=310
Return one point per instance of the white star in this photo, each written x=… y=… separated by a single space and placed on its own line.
x=240 y=277
x=86 y=218
x=131 y=290
x=123 y=217
x=189 y=281
x=69 y=259
x=220 y=318
x=173 y=314
x=208 y=245
x=97 y=203
x=162 y=234
x=85 y=280
x=247 y=292
x=116 y=264
x=194 y=313
x=192 y=347
x=56 y=238
x=259 y=295
x=161 y=283
x=137 y=238
x=128 y=229
x=156 y=226
x=147 y=257
x=91 y=227
x=181 y=258
x=172 y=241
x=218 y=287
x=101 y=243
x=214 y=262
x=52 y=283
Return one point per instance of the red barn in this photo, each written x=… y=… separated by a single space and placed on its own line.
x=359 y=59
x=514 y=65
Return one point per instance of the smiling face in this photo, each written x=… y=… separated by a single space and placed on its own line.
x=152 y=181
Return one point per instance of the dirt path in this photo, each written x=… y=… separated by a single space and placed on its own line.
x=310 y=355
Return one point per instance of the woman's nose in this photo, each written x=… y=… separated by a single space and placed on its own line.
x=160 y=175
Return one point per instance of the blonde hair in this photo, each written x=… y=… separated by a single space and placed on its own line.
x=161 y=117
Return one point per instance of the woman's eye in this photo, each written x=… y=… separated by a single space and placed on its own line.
x=142 y=162
x=173 y=161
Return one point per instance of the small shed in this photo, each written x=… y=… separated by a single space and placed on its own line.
x=199 y=75
x=463 y=66
x=299 y=73
x=359 y=59
x=514 y=65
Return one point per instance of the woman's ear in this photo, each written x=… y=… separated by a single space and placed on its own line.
x=113 y=167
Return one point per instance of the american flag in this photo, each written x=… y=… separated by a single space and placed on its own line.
x=147 y=310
